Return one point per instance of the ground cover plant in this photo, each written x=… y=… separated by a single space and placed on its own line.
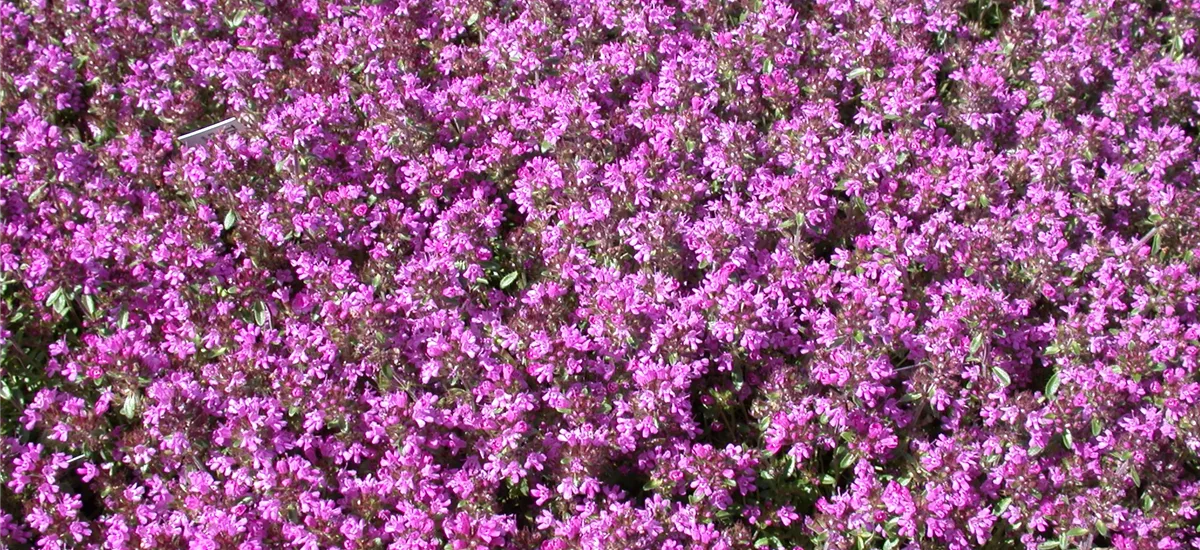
x=599 y=274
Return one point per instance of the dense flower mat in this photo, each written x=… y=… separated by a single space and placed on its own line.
x=644 y=274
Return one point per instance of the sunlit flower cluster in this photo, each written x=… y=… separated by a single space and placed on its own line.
x=600 y=274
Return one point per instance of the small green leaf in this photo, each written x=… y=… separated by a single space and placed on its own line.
x=237 y=19
x=1101 y=528
x=1077 y=532
x=472 y=19
x=54 y=298
x=857 y=73
x=976 y=343
x=63 y=304
x=129 y=408
x=1052 y=384
x=1137 y=168
x=1001 y=375
x=1097 y=427
x=508 y=280
x=1137 y=479
x=37 y=193
x=262 y=315
x=230 y=219
x=1069 y=440
x=1051 y=350
x=123 y=318
x=1003 y=505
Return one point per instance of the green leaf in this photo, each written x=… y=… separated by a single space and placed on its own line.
x=123 y=318
x=37 y=193
x=129 y=408
x=1069 y=440
x=1101 y=528
x=262 y=315
x=1048 y=545
x=1097 y=427
x=237 y=19
x=508 y=280
x=976 y=343
x=1052 y=384
x=739 y=378
x=1137 y=479
x=1077 y=532
x=230 y=219
x=1137 y=168
x=1002 y=375
x=1051 y=350
x=1003 y=505
x=472 y=19
x=546 y=146
x=55 y=299
x=857 y=73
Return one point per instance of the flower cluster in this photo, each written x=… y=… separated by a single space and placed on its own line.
x=585 y=274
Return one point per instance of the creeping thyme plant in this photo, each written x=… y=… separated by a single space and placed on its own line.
x=600 y=274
